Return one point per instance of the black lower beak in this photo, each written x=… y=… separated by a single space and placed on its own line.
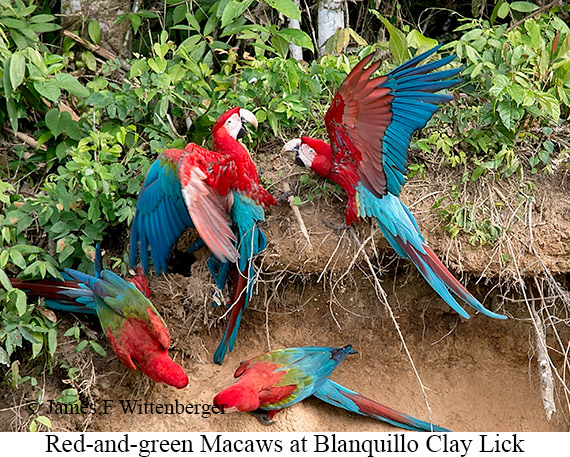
x=298 y=161
x=242 y=132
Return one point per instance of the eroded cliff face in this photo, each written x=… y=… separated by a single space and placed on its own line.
x=480 y=374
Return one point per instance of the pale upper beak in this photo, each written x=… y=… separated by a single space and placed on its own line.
x=248 y=116
x=292 y=145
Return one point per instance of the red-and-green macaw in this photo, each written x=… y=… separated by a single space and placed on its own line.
x=217 y=192
x=134 y=328
x=369 y=124
x=273 y=381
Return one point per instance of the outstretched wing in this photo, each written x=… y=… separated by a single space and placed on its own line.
x=161 y=215
x=370 y=120
x=206 y=188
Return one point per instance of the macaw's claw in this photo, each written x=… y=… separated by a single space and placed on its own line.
x=284 y=196
x=198 y=244
x=337 y=228
x=263 y=416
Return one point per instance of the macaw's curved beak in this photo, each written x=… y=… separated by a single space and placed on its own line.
x=294 y=145
x=246 y=116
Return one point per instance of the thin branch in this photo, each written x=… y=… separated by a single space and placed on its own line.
x=105 y=53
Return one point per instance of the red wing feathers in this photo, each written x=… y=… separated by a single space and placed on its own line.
x=208 y=209
x=357 y=121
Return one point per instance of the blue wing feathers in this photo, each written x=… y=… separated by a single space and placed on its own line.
x=161 y=216
x=413 y=104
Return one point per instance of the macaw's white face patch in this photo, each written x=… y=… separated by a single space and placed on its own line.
x=306 y=154
x=233 y=125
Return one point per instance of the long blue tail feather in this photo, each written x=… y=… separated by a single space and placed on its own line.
x=401 y=230
x=341 y=397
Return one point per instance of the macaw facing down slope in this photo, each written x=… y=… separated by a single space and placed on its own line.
x=369 y=124
x=132 y=325
x=273 y=381
x=217 y=192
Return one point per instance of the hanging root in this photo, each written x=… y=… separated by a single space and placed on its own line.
x=544 y=368
x=297 y=214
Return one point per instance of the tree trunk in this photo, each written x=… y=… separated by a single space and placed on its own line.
x=296 y=51
x=330 y=19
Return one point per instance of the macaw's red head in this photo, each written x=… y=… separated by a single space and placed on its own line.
x=311 y=153
x=231 y=123
x=239 y=397
x=160 y=367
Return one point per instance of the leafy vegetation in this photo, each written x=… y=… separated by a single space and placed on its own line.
x=87 y=131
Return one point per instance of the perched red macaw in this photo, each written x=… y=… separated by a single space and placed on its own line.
x=217 y=192
x=134 y=328
x=369 y=124
x=273 y=381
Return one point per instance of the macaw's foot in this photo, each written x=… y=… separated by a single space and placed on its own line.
x=265 y=416
x=284 y=196
x=337 y=228
x=199 y=243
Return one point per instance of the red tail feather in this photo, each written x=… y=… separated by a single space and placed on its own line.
x=47 y=288
x=371 y=408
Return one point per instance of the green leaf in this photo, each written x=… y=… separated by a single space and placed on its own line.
x=524 y=7
x=534 y=31
x=5 y=281
x=297 y=201
x=6 y=78
x=52 y=341
x=72 y=85
x=4 y=359
x=418 y=41
x=503 y=10
x=42 y=18
x=298 y=37
x=398 y=44
x=42 y=28
x=94 y=31
x=509 y=113
x=136 y=21
x=13 y=114
x=81 y=346
x=17 y=258
x=97 y=348
x=17 y=69
x=49 y=89
x=21 y=304
x=44 y=421
x=233 y=10
x=287 y=7
x=72 y=331
x=53 y=123
x=192 y=21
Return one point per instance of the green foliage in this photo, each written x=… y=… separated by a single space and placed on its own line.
x=517 y=88
x=462 y=216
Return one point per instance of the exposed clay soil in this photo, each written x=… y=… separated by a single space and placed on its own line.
x=479 y=374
